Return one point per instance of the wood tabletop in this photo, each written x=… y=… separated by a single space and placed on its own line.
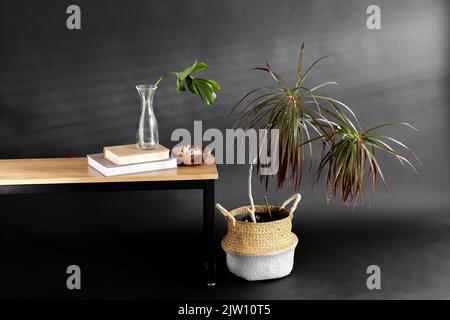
x=76 y=170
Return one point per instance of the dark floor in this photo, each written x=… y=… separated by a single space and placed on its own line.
x=159 y=259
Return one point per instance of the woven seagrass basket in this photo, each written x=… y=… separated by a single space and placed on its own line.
x=263 y=250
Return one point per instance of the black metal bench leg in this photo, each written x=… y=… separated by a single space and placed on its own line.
x=209 y=232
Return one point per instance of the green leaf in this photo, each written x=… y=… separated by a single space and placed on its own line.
x=200 y=66
x=202 y=87
x=343 y=105
x=180 y=85
x=190 y=85
x=275 y=76
x=311 y=67
x=205 y=91
x=183 y=74
x=323 y=85
x=386 y=124
x=299 y=67
x=212 y=83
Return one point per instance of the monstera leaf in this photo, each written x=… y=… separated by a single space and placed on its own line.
x=204 y=88
x=198 y=86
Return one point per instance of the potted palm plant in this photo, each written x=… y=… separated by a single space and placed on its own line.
x=302 y=116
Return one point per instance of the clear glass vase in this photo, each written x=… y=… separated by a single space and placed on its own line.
x=147 y=136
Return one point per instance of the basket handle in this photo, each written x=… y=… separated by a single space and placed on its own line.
x=226 y=214
x=296 y=198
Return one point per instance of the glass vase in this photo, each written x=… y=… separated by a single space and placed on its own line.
x=147 y=136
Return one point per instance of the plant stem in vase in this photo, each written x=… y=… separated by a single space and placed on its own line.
x=147 y=136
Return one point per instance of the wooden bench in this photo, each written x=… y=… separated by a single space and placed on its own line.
x=51 y=175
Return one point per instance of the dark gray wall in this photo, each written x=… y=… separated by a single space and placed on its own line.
x=69 y=93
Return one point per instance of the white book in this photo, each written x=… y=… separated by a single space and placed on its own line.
x=108 y=168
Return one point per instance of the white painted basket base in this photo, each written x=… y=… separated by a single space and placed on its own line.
x=271 y=266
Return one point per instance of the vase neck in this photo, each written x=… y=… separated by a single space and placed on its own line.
x=146 y=92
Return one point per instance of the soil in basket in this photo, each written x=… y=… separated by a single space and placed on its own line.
x=261 y=216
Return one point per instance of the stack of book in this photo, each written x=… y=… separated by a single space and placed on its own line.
x=127 y=159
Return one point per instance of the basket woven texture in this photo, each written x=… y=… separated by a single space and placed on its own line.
x=259 y=238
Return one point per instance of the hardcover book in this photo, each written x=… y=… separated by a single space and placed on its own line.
x=128 y=154
x=108 y=168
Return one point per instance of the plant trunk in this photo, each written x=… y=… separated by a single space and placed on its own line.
x=250 y=196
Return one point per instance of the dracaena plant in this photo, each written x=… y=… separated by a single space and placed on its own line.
x=198 y=86
x=348 y=152
x=302 y=116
